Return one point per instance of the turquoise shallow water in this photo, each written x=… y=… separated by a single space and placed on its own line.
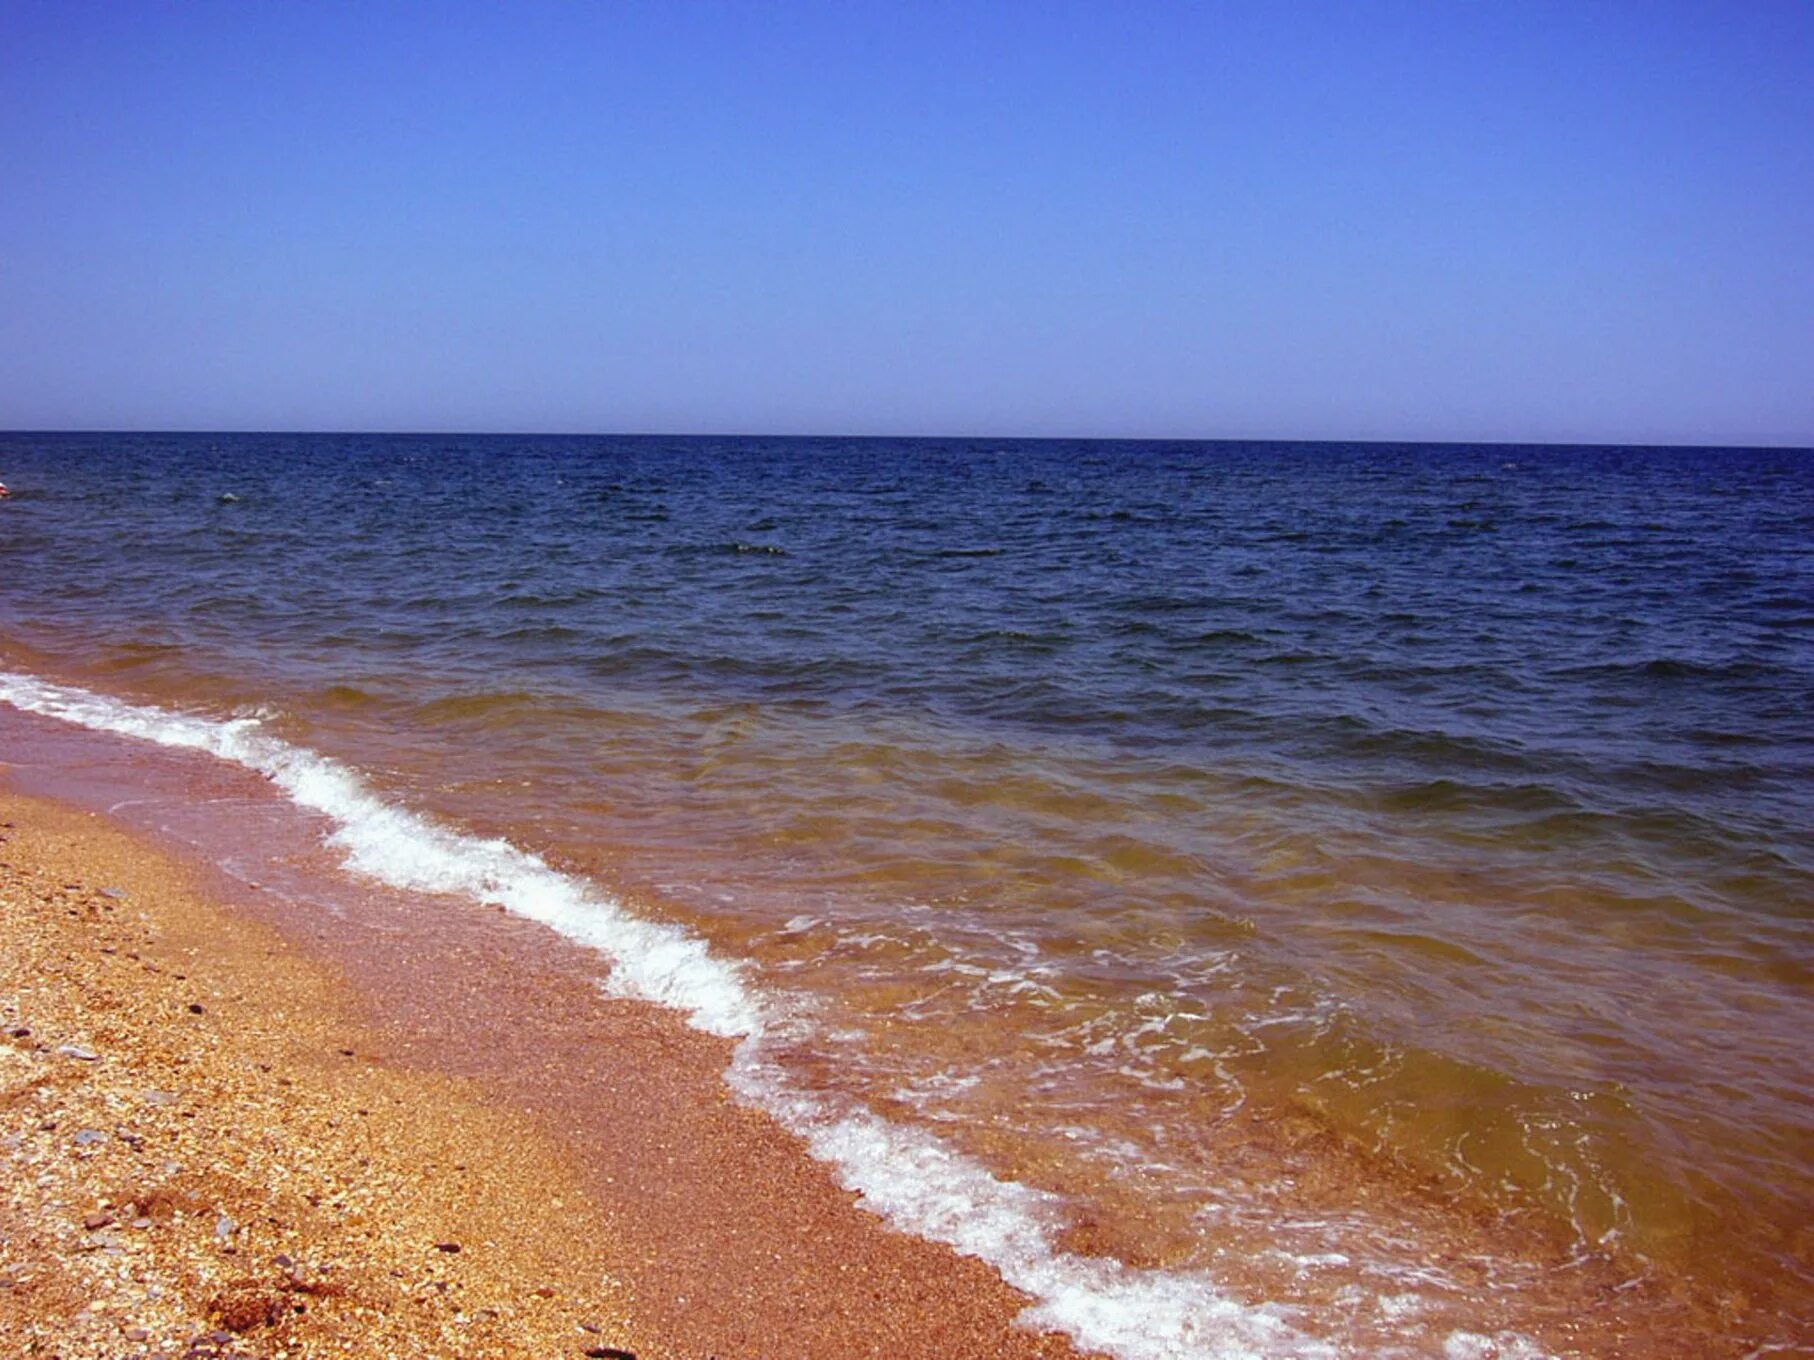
x=1349 y=859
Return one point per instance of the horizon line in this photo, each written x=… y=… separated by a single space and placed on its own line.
x=946 y=438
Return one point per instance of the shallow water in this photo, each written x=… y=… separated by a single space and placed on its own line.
x=1375 y=878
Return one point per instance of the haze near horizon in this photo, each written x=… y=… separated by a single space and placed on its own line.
x=1544 y=223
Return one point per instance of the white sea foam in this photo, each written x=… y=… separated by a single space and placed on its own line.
x=906 y=1174
x=1503 y=1346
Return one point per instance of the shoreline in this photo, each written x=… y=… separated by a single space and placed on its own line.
x=602 y=1157
x=724 y=1236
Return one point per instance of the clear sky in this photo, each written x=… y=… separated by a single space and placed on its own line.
x=1566 y=221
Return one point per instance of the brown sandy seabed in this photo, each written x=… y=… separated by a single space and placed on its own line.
x=215 y=1145
x=356 y=1094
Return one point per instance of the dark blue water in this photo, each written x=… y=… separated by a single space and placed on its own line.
x=1636 y=615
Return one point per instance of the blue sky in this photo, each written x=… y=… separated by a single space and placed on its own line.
x=1582 y=221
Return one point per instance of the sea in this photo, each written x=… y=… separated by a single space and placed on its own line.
x=1272 y=899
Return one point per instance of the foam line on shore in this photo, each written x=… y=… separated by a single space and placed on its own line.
x=905 y=1174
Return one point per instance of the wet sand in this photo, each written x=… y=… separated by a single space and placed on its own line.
x=234 y=1129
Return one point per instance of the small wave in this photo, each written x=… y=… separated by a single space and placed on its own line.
x=132 y=655
x=907 y=1175
x=479 y=704
x=728 y=548
x=347 y=696
x=1162 y=604
x=1451 y=795
x=1667 y=668
x=538 y=632
x=1019 y=637
x=524 y=598
x=1426 y=746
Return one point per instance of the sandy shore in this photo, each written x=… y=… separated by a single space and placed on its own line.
x=235 y=1129
x=201 y=1161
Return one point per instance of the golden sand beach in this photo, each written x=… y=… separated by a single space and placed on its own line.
x=203 y=1161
